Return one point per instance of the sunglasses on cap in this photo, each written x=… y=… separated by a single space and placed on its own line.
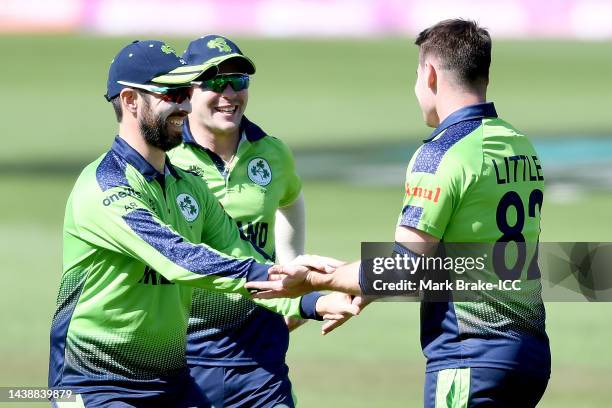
x=238 y=82
x=166 y=94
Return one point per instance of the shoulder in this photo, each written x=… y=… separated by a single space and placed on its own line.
x=275 y=145
x=107 y=172
x=274 y=151
x=181 y=153
x=499 y=127
x=263 y=141
x=459 y=146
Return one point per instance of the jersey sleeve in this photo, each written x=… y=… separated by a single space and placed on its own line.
x=430 y=197
x=130 y=226
x=294 y=183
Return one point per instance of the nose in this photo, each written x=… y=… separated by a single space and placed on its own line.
x=228 y=91
x=185 y=106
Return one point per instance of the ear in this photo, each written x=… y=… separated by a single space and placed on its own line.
x=431 y=76
x=129 y=100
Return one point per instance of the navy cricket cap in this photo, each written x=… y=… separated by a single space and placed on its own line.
x=152 y=62
x=215 y=49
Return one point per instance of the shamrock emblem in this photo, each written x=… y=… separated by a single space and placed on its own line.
x=259 y=171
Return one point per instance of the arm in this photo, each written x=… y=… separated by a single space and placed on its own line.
x=131 y=227
x=290 y=230
x=346 y=278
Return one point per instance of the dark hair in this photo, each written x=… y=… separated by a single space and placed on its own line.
x=461 y=47
x=116 y=102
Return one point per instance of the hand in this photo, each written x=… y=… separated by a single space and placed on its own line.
x=284 y=281
x=294 y=322
x=359 y=301
x=320 y=263
x=292 y=280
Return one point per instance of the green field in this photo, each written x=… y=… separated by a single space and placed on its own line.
x=319 y=96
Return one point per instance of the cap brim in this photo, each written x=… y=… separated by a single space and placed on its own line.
x=187 y=73
x=248 y=67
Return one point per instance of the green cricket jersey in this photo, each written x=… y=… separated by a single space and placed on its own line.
x=260 y=179
x=479 y=180
x=135 y=243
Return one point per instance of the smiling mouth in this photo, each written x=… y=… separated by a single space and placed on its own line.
x=227 y=109
x=176 y=120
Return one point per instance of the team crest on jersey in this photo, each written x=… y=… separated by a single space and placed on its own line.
x=188 y=206
x=259 y=171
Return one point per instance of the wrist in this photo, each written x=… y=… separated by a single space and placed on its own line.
x=308 y=306
x=319 y=281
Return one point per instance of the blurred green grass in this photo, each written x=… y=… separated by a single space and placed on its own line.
x=309 y=92
x=318 y=96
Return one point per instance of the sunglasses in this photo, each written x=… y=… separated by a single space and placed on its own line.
x=167 y=94
x=238 y=82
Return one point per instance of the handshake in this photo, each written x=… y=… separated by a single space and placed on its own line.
x=308 y=273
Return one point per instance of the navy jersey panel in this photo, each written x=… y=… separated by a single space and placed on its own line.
x=445 y=346
x=262 y=338
x=246 y=386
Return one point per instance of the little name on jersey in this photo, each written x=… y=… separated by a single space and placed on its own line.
x=517 y=169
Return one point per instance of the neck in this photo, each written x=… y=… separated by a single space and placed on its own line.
x=453 y=101
x=132 y=135
x=224 y=144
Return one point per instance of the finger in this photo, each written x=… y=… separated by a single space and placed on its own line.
x=276 y=276
x=330 y=316
x=328 y=268
x=288 y=270
x=331 y=325
x=269 y=294
x=311 y=261
x=362 y=301
x=277 y=270
x=265 y=285
x=351 y=310
x=334 y=262
x=325 y=259
x=344 y=312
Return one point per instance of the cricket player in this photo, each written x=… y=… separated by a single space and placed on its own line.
x=238 y=357
x=475 y=179
x=139 y=233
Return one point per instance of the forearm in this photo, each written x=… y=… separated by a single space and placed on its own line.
x=289 y=231
x=344 y=279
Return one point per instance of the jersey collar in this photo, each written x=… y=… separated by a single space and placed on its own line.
x=130 y=155
x=471 y=112
x=251 y=130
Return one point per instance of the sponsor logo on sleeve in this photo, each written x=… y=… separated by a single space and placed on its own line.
x=432 y=195
x=120 y=194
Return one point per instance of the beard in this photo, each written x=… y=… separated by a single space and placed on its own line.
x=156 y=132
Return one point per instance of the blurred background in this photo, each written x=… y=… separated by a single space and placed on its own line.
x=335 y=81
